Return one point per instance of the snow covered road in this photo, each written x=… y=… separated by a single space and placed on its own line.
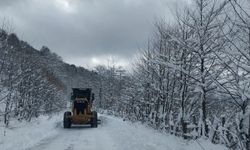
x=77 y=138
x=112 y=134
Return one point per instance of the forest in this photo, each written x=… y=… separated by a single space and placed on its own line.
x=191 y=81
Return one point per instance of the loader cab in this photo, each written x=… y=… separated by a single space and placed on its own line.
x=81 y=100
x=82 y=93
x=81 y=113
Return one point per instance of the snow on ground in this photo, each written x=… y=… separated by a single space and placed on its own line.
x=21 y=135
x=112 y=134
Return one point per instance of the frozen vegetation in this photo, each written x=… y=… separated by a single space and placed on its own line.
x=191 y=83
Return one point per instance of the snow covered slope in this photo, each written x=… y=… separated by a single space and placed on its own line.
x=112 y=134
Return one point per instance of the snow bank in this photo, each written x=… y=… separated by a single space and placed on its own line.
x=135 y=136
x=21 y=135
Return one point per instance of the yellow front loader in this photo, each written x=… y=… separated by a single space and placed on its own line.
x=81 y=112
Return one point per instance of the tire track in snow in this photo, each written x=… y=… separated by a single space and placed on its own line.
x=77 y=138
x=112 y=134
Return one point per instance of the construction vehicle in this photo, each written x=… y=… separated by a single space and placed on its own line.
x=81 y=112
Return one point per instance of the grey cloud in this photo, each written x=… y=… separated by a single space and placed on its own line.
x=6 y=3
x=86 y=28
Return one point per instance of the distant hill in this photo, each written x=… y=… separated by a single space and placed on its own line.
x=35 y=81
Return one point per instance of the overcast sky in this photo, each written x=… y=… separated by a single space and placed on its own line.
x=87 y=32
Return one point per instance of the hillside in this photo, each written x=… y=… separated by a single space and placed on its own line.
x=34 y=82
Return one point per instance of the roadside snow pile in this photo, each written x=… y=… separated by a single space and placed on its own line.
x=135 y=136
x=21 y=135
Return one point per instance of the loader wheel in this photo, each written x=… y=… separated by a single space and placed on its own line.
x=94 y=121
x=67 y=120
